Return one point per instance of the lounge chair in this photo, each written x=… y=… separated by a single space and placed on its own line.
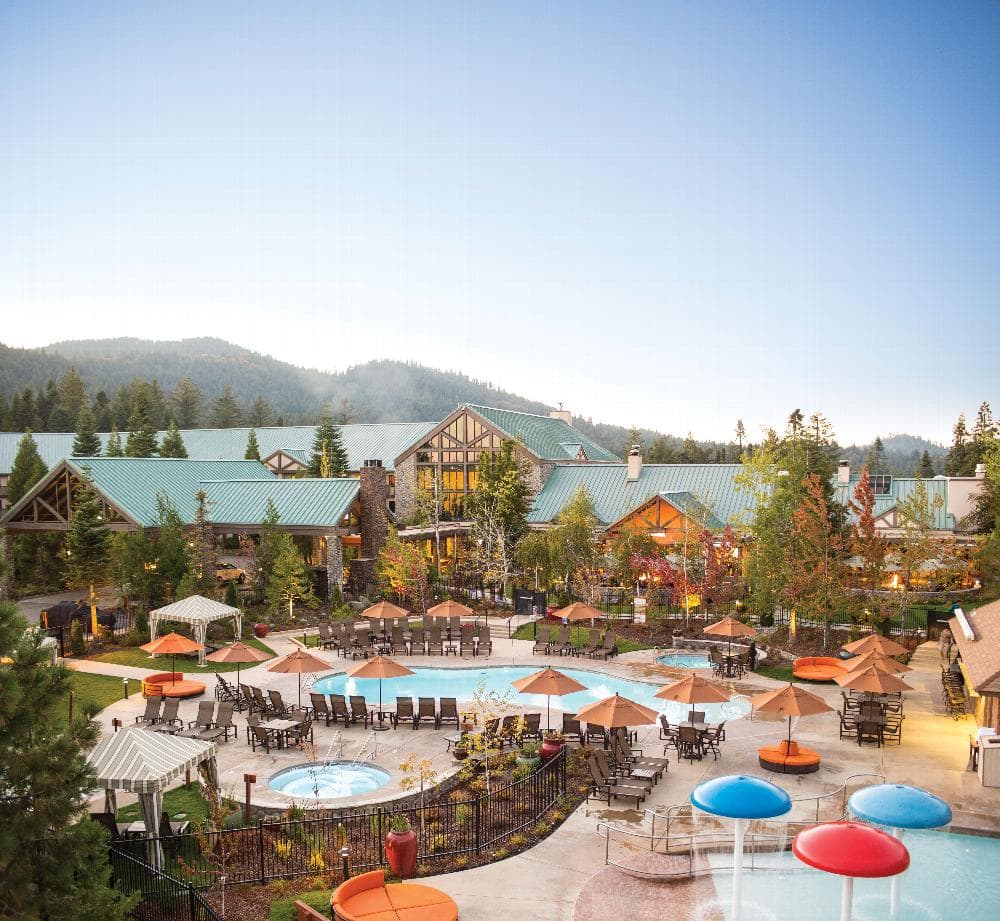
x=602 y=786
x=484 y=645
x=426 y=711
x=359 y=709
x=340 y=711
x=531 y=727
x=449 y=712
x=466 y=642
x=326 y=637
x=151 y=714
x=226 y=691
x=398 y=641
x=404 y=712
x=320 y=708
x=563 y=645
x=595 y=733
x=249 y=701
x=221 y=725
x=491 y=730
x=593 y=643
x=508 y=730
x=571 y=727
x=618 y=772
x=278 y=707
x=634 y=756
x=168 y=715
x=608 y=647
x=543 y=643
x=417 y=640
x=262 y=704
x=206 y=713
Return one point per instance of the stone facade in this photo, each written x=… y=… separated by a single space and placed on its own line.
x=406 y=487
x=334 y=560
x=374 y=494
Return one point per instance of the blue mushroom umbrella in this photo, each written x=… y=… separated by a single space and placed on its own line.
x=742 y=798
x=899 y=807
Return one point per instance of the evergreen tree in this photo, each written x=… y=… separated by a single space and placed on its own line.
x=185 y=403
x=269 y=541
x=201 y=549
x=660 y=451
x=88 y=542
x=171 y=548
x=633 y=438
x=141 y=440
x=876 y=456
x=86 y=443
x=72 y=393
x=289 y=581
x=691 y=452
x=741 y=433
x=954 y=464
x=46 y=403
x=328 y=458
x=926 y=466
x=226 y=410
x=253 y=451
x=114 y=445
x=103 y=419
x=261 y=412
x=172 y=444
x=28 y=468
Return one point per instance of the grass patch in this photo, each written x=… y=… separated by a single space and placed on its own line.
x=91 y=693
x=190 y=802
x=139 y=658
x=284 y=909
x=578 y=636
x=778 y=672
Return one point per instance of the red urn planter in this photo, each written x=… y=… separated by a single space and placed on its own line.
x=550 y=748
x=401 y=852
x=260 y=630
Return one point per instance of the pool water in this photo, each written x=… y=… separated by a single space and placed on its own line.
x=461 y=683
x=330 y=780
x=684 y=660
x=951 y=877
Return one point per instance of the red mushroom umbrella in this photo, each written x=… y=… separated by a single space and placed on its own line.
x=851 y=849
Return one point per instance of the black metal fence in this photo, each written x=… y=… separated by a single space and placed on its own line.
x=268 y=850
x=162 y=897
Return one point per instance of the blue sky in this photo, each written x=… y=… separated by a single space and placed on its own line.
x=673 y=215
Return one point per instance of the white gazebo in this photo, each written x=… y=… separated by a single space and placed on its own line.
x=146 y=763
x=199 y=612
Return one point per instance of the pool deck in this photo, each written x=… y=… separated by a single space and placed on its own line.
x=558 y=879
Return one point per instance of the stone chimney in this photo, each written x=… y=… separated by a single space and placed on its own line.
x=373 y=522
x=980 y=471
x=563 y=414
x=634 y=464
x=843 y=473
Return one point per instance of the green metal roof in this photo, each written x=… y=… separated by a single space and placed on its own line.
x=900 y=490
x=543 y=436
x=383 y=441
x=711 y=487
x=133 y=483
x=300 y=503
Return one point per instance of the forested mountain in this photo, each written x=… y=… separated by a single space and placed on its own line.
x=210 y=382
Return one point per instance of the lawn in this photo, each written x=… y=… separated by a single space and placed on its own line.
x=133 y=655
x=284 y=909
x=91 y=693
x=190 y=802
x=778 y=672
x=578 y=635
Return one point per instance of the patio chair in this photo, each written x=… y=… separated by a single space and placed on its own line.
x=326 y=637
x=168 y=828
x=247 y=698
x=428 y=623
x=203 y=720
x=417 y=640
x=263 y=737
x=221 y=725
x=697 y=716
x=262 y=704
x=544 y=640
x=508 y=729
x=892 y=731
x=711 y=739
x=634 y=757
x=848 y=726
x=435 y=644
x=603 y=786
x=301 y=733
x=224 y=690
x=608 y=647
x=404 y=712
x=426 y=711
x=398 y=640
x=595 y=733
x=716 y=661
x=449 y=712
x=571 y=727
x=359 y=709
x=319 y=707
x=466 y=642
x=278 y=707
x=869 y=731
x=484 y=645
x=340 y=711
x=358 y=646
x=491 y=730
x=168 y=715
x=619 y=773
x=562 y=645
x=593 y=643
x=151 y=714
x=531 y=727
x=663 y=723
x=689 y=743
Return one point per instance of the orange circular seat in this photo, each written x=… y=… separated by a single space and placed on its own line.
x=818 y=668
x=788 y=758
x=368 y=898
x=171 y=684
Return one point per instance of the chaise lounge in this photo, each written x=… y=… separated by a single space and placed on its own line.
x=818 y=668
x=788 y=758
x=369 y=896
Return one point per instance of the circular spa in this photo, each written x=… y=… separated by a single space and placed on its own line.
x=684 y=660
x=328 y=780
x=461 y=683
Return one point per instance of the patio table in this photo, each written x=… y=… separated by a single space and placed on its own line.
x=280 y=729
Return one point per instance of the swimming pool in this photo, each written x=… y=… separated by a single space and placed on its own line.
x=329 y=780
x=951 y=877
x=461 y=683
x=684 y=660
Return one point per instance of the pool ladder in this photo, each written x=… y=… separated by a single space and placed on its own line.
x=363 y=753
x=338 y=743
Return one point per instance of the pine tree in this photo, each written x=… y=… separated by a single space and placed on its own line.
x=926 y=466
x=633 y=438
x=876 y=456
x=72 y=393
x=141 y=440
x=201 y=549
x=185 y=403
x=261 y=412
x=226 y=410
x=86 y=443
x=88 y=542
x=741 y=433
x=114 y=445
x=269 y=541
x=28 y=468
x=172 y=444
x=954 y=464
x=289 y=581
x=253 y=451
x=328 y=458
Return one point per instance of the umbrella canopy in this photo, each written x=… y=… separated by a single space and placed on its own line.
x=875 y=643
x=451 y=609
x=881 y=662
x=872 y=680
x=172 y=643
x=578 y=611
x=731 y=627
x=789 y=702
x=694 y=690
x=299 y=663
x=615 y=712
x=380 y=667
x=384 y=609
x=548 y=682
x=238 y=654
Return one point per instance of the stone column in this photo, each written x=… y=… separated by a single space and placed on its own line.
x=334 y=561
x=374 y=518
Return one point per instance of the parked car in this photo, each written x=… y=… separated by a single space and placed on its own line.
x=229 y=572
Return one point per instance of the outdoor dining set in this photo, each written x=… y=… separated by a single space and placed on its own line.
x=397 y=636
x=869 y=717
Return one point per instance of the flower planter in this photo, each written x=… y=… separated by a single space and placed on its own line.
x=260 y=630
x=550 y=748
x=524 y=760
x=401 y=852
x=459 y=753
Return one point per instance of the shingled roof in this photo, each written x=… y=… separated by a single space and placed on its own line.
x=981 y=656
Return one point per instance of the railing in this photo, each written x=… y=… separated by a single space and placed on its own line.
x=162 y=897
x=282 y=849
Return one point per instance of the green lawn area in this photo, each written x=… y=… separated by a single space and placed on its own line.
x=578 y=636
x=284 y=909
x=778 y=672
x=190 y=802
x=90 y=694
x=133 y=655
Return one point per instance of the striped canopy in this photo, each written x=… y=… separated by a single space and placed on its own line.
x=142 y=761
x=199 y=612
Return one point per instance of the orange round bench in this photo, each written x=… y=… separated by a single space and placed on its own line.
x=368 y=898
x=788 y=758
x=171 y=684
x=818 y=668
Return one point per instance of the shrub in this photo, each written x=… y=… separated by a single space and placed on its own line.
x=463 y=813
x=461 y=862
x=439 y=843
x=142 y=624
x=77 y=647
x=501 y=853
x=517 y=841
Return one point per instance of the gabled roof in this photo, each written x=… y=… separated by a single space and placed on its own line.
x=543 y=436
x=710 y=488
x=143 y=761
x=900 y=489
x=306 y=503
x=981 y=657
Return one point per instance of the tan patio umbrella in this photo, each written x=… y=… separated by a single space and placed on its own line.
x=694 y=690
x=299 y=663
x=173 y=643
x=882 y=663
x=616 y=712
x=729 y=627
x=875 y=643
x=790 y=701
x=872 y=680
x=451 y=610
x=384 y=609
x=380 y=667
x=579 y=611
x=240 y=654
x=548 y=682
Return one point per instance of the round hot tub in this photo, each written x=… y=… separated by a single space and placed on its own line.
x=329 y=780
x=684 y=660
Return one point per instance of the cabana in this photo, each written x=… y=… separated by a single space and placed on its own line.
x=146 y=763
x=199 y=612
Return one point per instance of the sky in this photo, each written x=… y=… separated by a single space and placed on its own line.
x=672 y=215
